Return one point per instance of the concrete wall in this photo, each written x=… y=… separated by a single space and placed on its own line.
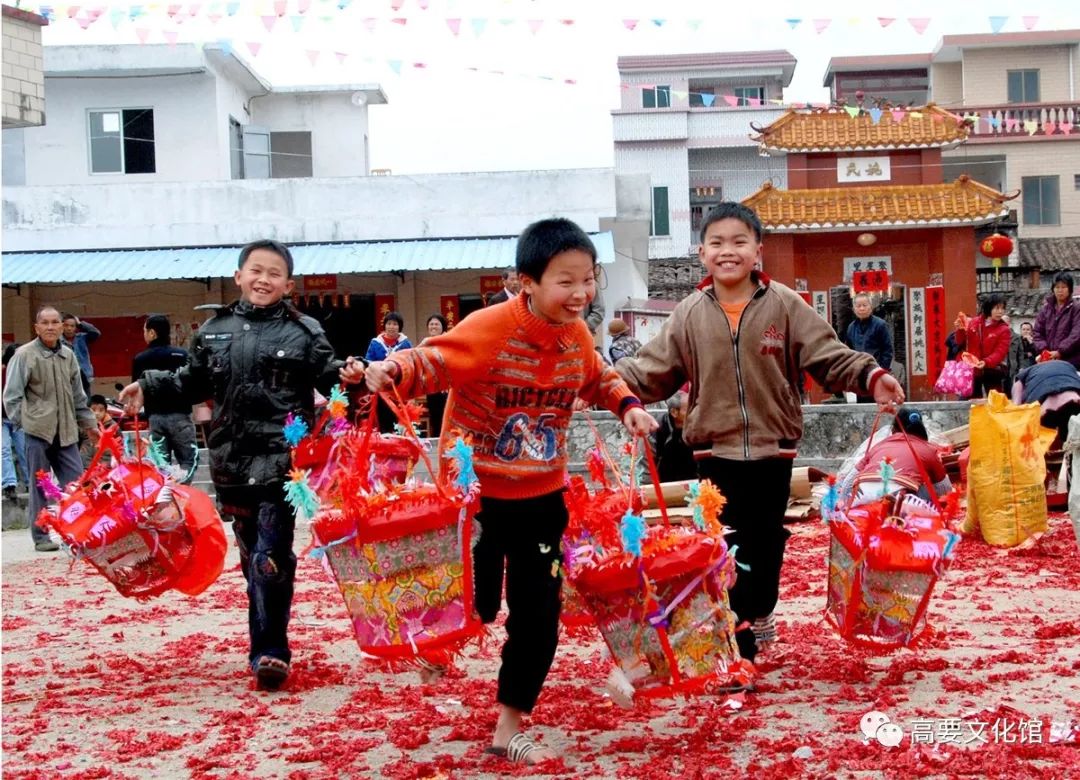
x=214 y=213
x=985 y=80
x=947 y=84
x=337 y=128
x=185 y=132
x=1046 y=158
x=24 y=86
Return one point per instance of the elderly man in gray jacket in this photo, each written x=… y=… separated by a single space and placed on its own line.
x=44 y=396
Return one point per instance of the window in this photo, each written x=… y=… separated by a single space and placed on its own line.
x=1042 y=202
x=290 y=155
x=656 y=97
x=122 y=141
x=661 y=224
x=1076 y=181
x=1023 y=86
x=750 y=95
x=236 y=149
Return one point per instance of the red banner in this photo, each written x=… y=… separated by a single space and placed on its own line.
x=935 y=331
x=451 y=310
x=805 y=295
x=384 y=304
x=870 y=281
x=320 y=282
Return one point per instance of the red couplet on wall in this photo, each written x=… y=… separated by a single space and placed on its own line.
x=935 y=331
x=384 y=304
x=451 y=310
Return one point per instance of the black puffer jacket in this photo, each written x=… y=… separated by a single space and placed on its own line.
x=258 y=364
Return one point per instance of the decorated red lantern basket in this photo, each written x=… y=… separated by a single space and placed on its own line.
x=141 y=531
x=885 y=558
x=399 y=550
x=658 y=595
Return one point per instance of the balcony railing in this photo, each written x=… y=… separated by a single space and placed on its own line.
x=1016 y=121
x=715 y=126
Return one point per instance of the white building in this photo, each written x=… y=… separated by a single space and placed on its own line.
x=686 y=121
x=158 y=162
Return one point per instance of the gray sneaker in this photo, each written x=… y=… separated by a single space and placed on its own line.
x=46 y=545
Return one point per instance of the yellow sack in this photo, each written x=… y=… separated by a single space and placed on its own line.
x=1006 y=494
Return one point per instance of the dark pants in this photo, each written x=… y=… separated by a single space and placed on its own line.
x=757 y=495
x=522 y=537
x=64 y=462
x=264 y=526
x=989 y=379
x=387 y=418
x=436 y=404
x=178 y=431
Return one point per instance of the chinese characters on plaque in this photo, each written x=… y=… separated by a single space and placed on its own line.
x=856 y=169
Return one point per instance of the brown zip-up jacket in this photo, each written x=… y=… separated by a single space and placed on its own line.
x=744 y=396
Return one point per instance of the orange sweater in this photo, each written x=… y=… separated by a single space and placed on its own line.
x=513 y=379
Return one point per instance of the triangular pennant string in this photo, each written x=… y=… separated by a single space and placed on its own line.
x=820 y=25
x=919 y=23
x=454 y=25
x=793 y=23
x=1030 y=22
x=997 y=22
x=885 y=21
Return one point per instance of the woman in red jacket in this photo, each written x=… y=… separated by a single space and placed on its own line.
x=987 y=337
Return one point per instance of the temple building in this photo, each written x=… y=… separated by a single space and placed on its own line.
x=867 y=208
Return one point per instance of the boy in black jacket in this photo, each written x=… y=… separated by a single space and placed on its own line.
x=259 y=359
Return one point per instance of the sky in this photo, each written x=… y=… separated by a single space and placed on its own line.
x=495 y=95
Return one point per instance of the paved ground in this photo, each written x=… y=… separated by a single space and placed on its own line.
x=95 y=686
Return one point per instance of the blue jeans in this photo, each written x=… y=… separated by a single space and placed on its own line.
x=14 y=445
x=264 y=534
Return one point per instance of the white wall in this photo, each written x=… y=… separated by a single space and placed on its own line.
x=667 y=165
x=230 y=101
x=184 y=137
x=218 y=213
x=337 y=128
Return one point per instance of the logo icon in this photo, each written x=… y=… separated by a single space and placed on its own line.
x=876 y=726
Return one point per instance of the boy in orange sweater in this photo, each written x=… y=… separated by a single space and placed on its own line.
x=513 y=371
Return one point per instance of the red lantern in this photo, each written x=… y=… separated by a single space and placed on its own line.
x=997 y=247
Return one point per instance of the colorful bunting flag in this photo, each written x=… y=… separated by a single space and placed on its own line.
x=920 y=23
x=852 y=111
x=170 y=37
x=269 y=22
x=395 y=65
x=478 y=26
x=793 y=23
x=313 y=56
x=875 y=115
x=143 y=34
x=253 y=47
x=820 y=25
x=297 y=22
x=454 y=25
x=707 y=100
x=1030 y=22
x=997 y=22
x=630 y=24
x=341 y=55
x=885 y=21
x=535 y=25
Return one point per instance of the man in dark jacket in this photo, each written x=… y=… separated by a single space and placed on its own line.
x=170 y=420
x=869 y=334
x=259 y=359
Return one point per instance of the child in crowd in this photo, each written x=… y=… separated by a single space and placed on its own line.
x=100 y=408
x=259 y=359
x=513 y=372
x=742 y=341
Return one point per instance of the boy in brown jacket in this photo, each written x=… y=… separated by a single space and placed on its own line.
x=742 y=341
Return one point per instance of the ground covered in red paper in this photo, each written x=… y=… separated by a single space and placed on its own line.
x=97 y=686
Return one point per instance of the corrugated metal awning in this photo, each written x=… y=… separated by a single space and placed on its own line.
x=362 y=257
